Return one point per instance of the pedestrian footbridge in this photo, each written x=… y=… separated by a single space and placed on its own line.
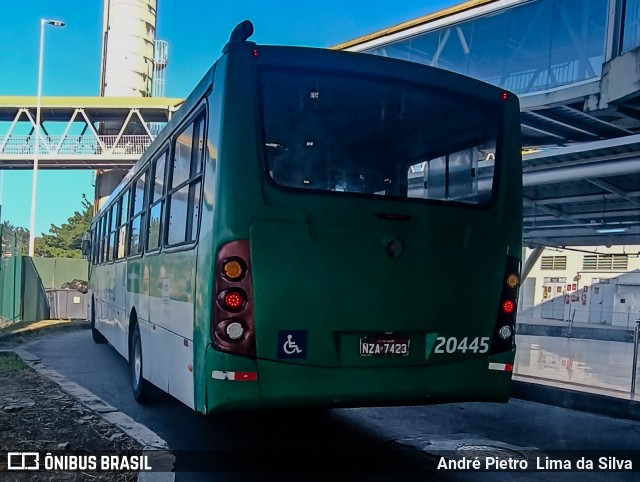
x=80 y=132
x=575 y=66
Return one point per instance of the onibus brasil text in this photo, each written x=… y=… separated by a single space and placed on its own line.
x=34 y=461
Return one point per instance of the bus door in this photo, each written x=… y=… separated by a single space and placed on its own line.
x=553 y=298
x=601 y=303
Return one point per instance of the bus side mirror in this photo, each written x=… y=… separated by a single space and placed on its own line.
x=86 y=247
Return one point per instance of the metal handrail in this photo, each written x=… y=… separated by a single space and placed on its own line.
x=634 y=367
x=78 y=145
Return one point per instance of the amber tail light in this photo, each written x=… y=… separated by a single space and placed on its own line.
x=233 y=327
x=504 y=333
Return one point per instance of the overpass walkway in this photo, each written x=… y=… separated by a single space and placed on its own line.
x=575 y=67
x=80 y=132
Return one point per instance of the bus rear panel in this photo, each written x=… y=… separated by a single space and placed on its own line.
x=367 y=234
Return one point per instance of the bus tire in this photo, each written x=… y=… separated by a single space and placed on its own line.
x=139 y=385
x=98 y=338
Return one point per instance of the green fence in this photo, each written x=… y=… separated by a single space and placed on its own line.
x=10 y=276
x=54 y=273
x=25 y=281
x=41 y=275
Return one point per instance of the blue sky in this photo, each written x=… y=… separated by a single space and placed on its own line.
x=196 y=31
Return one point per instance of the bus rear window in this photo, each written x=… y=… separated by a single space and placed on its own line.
x=378 y=136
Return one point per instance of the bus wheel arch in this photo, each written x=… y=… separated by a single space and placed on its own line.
x=139 y=385
x=98 y=338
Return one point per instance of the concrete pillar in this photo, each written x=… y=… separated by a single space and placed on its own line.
x=128 y=36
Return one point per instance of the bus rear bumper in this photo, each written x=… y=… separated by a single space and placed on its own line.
x=242 y=383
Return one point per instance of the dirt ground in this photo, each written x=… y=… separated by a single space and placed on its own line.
x=36 y=415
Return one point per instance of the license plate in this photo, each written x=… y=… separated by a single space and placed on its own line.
x=384 y=346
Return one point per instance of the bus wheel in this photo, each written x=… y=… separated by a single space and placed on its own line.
x=95 y=334
x=138 y=383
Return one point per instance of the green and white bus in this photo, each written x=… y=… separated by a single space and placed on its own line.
x=318 y=228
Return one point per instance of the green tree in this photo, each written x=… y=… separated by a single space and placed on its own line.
x=65 y=241
x=22 y=235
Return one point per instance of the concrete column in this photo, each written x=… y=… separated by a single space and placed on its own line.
x=106 y=182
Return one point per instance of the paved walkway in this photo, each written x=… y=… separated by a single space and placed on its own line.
x=9 y=329
x=560 y=328
x=582 y=357
x=594 y=366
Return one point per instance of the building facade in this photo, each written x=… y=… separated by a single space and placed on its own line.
x=598 y=285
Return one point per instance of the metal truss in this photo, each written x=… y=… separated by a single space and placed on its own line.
x=90 y=149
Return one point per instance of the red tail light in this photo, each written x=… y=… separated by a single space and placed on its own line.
x=505 y=327
x=508 y=306
x=233 y=328
x=232 y=300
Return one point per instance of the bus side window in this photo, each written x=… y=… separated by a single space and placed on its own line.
x=197 y=160
x=96 y=241
x=103 y=237
x=156 y=201
x=183 y=197
x=138 y=203
x=106 y=231
x=112 y=231
x=123 y=220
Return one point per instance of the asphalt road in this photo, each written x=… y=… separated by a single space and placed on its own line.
x=369 y=444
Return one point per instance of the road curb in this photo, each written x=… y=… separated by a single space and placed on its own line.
x=6 y=337
x=576 y=400
x=150 y=441
x=582 y=332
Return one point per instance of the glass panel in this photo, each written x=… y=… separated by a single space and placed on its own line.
x=178 y=204
x=492 y=48
x=98 y=241
x=459 y=176
x=103 y=249
x=182 y=157
x=155 y=226
x=196 y=210
x=117 y=209
x=526 y=48
x=396 y=50
x=196 y=160
x=158 y=176
x=112 y=243
x=577 y=41
x=122 y=242
x=454 y=48
x=103 y=222
x=125 y=208
x=109 y=225
x=422 y=48
x=373 y=146
x=138 y=194
x=135 y=246
x=109 y=241
x=631 y=27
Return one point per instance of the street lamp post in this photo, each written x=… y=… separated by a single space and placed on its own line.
x=36 y=151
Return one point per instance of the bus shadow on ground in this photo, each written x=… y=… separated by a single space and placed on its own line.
x=294 y=443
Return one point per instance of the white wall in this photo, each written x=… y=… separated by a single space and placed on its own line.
x=624 y=281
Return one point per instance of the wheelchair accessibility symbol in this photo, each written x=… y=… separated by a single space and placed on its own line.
x=292 y=344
